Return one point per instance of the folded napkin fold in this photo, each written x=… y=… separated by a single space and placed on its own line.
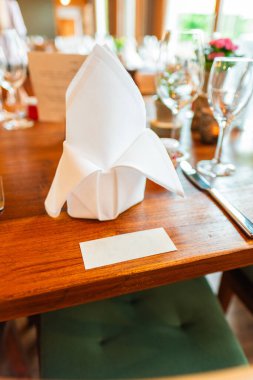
x=108 y=152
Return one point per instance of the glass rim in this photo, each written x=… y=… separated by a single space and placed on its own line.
x=233 y=59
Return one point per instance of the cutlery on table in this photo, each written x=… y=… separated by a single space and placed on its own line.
x=201 y=183
x=1 y=194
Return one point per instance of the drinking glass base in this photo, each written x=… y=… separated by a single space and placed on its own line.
x=176 y=153
x=214 y=169
x=15 y=124
x=5 y=115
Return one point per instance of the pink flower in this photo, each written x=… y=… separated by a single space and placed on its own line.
x=223 y=43
x=218 y=44
x=229 y=45
x=215 y=54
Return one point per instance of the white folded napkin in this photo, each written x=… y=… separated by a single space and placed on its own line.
x=108 y=152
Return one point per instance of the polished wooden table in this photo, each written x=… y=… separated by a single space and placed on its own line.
x=41 y=267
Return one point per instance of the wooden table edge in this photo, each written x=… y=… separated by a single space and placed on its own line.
x=123 y=284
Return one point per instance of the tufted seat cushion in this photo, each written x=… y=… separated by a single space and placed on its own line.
x=174 y=329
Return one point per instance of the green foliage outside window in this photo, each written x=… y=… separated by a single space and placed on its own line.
x=231 y=26
x=196 y=21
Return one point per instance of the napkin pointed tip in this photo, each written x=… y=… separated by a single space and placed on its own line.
x=52 y=213
x=181 y=193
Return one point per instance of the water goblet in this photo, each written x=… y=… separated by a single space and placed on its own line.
x=2 y=72
x=180 y=71
x=14 y=76
x=230 y=87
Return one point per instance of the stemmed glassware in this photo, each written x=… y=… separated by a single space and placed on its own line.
x=230 y=87
x=180 y=70
x=16 y=61
x=2 y=72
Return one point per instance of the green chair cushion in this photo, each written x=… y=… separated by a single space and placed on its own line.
x=174 y=329
x=248 y=272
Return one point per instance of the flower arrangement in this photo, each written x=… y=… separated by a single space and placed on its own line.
x=222 y=47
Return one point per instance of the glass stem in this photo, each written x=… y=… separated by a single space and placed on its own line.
x=222 y=126
x=1 y=99
x=12 y=97
x=174 y=122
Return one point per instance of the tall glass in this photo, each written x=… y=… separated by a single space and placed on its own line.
x=230 y=87
x=2 y=72
x=16 y=59
x=180 y=71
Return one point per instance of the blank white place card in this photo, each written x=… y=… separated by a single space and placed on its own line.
x=119 y=248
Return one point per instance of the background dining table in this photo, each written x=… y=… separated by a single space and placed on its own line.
x=41 y=266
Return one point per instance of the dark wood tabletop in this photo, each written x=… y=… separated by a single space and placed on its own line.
x=41 y=266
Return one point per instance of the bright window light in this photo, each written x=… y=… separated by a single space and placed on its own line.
x=65 y=2
x=101 y=16
x=129 y=18
x=190 y=14
x=236 y=20
x=233 y=7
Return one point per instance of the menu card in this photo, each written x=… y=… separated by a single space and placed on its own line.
x=51 y=74
x=119 y=248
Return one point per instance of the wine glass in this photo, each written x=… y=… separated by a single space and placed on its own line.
x=16 y=67
x=2 y=72
x=230 y=87
x=180 y=71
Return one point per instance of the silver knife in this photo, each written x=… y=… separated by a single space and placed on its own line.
x=1 y=194
x=198 y=180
